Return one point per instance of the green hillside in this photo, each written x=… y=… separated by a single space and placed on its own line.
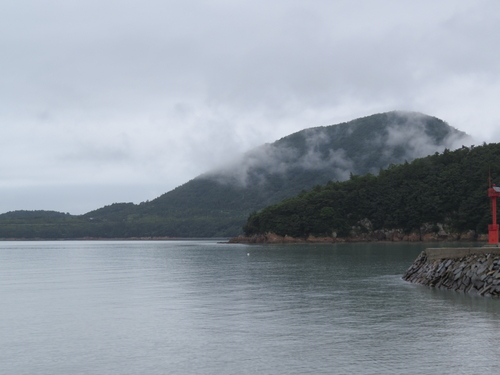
x=448 y=189
x=217 y=203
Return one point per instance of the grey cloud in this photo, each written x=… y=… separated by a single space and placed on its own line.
x=192 y=84
x=414 y=140
x=100 y=155
x=279 y=160
x=314 y=158
x=265 y=158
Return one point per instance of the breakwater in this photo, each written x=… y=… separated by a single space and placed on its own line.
x=468 y=270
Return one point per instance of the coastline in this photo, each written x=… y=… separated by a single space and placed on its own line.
x=116 y=239
x=272 y=238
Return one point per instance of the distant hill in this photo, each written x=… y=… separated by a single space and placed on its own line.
x=36 y=214
x=217 y=203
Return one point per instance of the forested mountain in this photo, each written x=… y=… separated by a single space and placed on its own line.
x=443 y=190
x=218 y=203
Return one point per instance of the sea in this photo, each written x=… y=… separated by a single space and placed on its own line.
x=203 y=307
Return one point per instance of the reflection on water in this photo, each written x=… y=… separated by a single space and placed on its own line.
x=198 y=307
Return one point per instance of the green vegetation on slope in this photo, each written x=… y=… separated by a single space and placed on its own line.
x=217 y=204
x=448 y=188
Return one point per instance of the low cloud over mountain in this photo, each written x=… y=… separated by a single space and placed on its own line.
x=361 y=146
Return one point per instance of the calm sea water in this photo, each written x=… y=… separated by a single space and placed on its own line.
x=198 y=307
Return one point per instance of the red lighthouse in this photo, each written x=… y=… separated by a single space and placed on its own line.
x=493 y=193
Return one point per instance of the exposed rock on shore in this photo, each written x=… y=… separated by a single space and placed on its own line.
x=267 y=238
x=363 y=233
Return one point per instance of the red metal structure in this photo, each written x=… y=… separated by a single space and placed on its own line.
x=493 y=193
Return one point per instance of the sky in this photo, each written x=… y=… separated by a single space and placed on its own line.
x=123 y=100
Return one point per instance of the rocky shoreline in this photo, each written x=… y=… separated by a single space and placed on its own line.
x=466 y=270
x=395 y=235
x=363 y=232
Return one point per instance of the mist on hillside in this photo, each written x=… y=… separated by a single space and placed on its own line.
x=342 y=149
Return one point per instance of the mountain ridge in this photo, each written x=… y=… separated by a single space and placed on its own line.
x=218 y=202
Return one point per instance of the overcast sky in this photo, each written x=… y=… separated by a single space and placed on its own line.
x=114 y=100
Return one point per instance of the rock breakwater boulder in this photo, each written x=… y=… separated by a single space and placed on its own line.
x=467 y=270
